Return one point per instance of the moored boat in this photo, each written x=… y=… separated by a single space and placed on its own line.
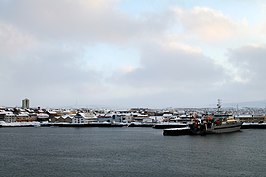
x=257 y=125
x=209 y=124
x=140 y=124
x=164 y=125
x=227 y=126
x=177 y=131
x=218 y=123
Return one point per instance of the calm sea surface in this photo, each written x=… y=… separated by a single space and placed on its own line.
x=51 y=151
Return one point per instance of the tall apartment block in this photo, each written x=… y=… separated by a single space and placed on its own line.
x=26 y=103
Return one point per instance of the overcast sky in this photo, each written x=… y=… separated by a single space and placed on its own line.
x=132 y=53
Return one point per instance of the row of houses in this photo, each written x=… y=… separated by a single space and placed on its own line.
x=10 y=115
x=59 y=116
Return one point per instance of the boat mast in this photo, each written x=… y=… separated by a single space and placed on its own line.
x=219 y=105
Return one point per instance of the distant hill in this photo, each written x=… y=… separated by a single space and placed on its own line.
x=257 y=104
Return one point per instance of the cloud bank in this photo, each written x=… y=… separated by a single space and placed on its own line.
x=49 y=52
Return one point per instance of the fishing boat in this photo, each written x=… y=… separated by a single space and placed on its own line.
x=219 y=122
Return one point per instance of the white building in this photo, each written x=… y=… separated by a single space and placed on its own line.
x=110 y=117
x=84 y=118
x=9 y=117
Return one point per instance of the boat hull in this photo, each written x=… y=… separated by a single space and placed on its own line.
x=141 y=125
x=253 y=125
x=177 y=131
x=227 y=128
x=169 y=125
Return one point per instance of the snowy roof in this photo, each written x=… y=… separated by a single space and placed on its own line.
x=52 y=112
x=42 y=116
x=23 y=114
x=167 y=115
x=66 y=116
x=7 y=113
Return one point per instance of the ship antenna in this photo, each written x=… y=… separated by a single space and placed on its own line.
x=219 y=105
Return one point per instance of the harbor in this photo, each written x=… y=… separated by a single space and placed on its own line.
x=132 y=88
x=172 y=121
x=137 y=151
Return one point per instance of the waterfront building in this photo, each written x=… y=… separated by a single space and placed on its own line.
x=42 y=117
x=23 y=117
x=9 y=117
x=26 y=103
x=65 y=118
x=251 y=118
x=2 y=115
x=84 y=118
x=33 y=116
x=78 y=118
x=127 y=118
x=110 y=117
x=149 y=119
x=89 y=117
x=52 y=114
x=140 y=117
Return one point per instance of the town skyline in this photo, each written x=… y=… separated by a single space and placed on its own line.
x=26 y=103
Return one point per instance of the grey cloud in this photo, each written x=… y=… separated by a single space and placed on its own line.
x=250 y=63
x=36 y=65
x=173 y=67
x=51 y=75
x=250 y=59
x=72 y=20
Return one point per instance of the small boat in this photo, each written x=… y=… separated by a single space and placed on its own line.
x=257 y=125
x=140 y=124
x=164 y=125
x=177 y=131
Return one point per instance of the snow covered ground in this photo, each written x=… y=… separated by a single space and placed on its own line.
x=19 y=124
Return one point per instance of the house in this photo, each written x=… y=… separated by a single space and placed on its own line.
x=51 y=114
x=86 y=118
x=65 y=118
x=33 y=116
x=110 y=117
x=140 y=117
x=79 y=118
x=89 y=117
x=2 y=115
x=42 y=117
x=23 y=117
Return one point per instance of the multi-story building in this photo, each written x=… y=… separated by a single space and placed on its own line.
x=10 y=117
x=2 y=115
x=26 y=103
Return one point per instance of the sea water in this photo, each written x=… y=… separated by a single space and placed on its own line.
x=55 y=151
